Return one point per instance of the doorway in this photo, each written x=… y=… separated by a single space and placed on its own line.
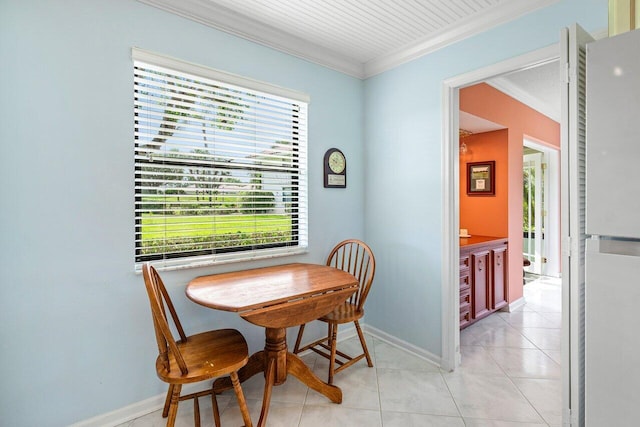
x=529 y=332
x=541 y=208
x=533 y=210
x=451 y=191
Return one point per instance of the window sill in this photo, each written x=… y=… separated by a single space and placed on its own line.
x=209 y=260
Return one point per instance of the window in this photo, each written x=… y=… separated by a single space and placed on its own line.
x=220 y=165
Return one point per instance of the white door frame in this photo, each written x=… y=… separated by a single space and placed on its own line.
x=451 y=191
x=535 y=160
x=552 y=194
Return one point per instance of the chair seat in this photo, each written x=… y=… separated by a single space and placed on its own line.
x=207 y=355
x=344 y=313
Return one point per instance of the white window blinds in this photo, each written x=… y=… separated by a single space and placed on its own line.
x=220 y=167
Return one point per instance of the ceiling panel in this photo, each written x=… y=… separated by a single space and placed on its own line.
x=358 y=37
x=360 y=29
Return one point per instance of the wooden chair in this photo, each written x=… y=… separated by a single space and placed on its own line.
x=195 y=358
x=355 y=257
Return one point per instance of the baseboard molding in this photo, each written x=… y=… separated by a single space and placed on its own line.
x=403 y=345
x=144 y=407
x=514 y=305
x=133 y=411
x=123 y=415
x=349 y=332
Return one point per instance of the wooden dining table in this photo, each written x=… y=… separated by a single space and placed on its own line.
x=276 y=298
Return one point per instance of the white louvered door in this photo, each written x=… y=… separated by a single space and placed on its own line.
x=573 y=137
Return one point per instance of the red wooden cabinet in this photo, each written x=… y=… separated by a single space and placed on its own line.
x=483 y=277
x=500 y=290
x=480 y=283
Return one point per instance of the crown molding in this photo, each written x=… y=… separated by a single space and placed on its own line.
x=460 y=31
x=224 y=19
x=221 y=18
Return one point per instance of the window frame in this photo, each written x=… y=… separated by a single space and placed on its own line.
x=298 y=241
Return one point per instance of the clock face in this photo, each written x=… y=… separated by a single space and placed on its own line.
x=335 y=169
x=337 y=162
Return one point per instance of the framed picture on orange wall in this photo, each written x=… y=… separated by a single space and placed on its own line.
x=481 y=178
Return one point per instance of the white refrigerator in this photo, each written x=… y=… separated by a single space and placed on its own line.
x=612 y=224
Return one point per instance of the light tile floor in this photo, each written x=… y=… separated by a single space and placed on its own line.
x=509 y=377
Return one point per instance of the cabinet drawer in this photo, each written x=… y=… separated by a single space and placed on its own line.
x=464 y=261
x=465 y=296
x=465 y=317
x=464 y=281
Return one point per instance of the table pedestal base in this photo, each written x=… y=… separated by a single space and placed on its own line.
x=276 y=362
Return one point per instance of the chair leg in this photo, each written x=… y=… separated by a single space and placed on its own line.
x=167 y=402
x=296 y=348
x=363 y=343
x=333 y=336
x=241 y=401
x=173 y=406
x=216 y=410
x=196 y=411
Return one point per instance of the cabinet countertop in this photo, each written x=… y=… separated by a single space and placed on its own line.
x=466 y=242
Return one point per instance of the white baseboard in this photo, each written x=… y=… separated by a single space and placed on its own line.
x=123 y=415
x=514 y=305
x=408 y=347
x=135 y=410
x=144 y=407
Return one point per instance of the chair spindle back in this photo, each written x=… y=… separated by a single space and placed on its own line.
x=160 y=301
x=355 y=257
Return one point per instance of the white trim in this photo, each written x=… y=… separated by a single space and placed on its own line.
x=518 y=63
x=208 y=13
x=450 y=225
x=450 y=190
x=462 y=30
x=515 y=305
x=552 y=192
x=135 y=410
x=175 y=64
x=223 y=258
x=403 y=345
x=125 y=414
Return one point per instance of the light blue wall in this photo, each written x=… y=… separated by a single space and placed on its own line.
x=75 y=328
x=403 y=142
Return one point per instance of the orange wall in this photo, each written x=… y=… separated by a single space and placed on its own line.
x=521 y=121
x=486 y=215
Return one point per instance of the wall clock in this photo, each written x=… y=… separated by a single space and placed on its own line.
x=335 y=169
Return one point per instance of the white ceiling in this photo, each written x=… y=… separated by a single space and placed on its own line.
x=538 y=87
x=365 y=37
x=358 y=37
x=475 y=124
